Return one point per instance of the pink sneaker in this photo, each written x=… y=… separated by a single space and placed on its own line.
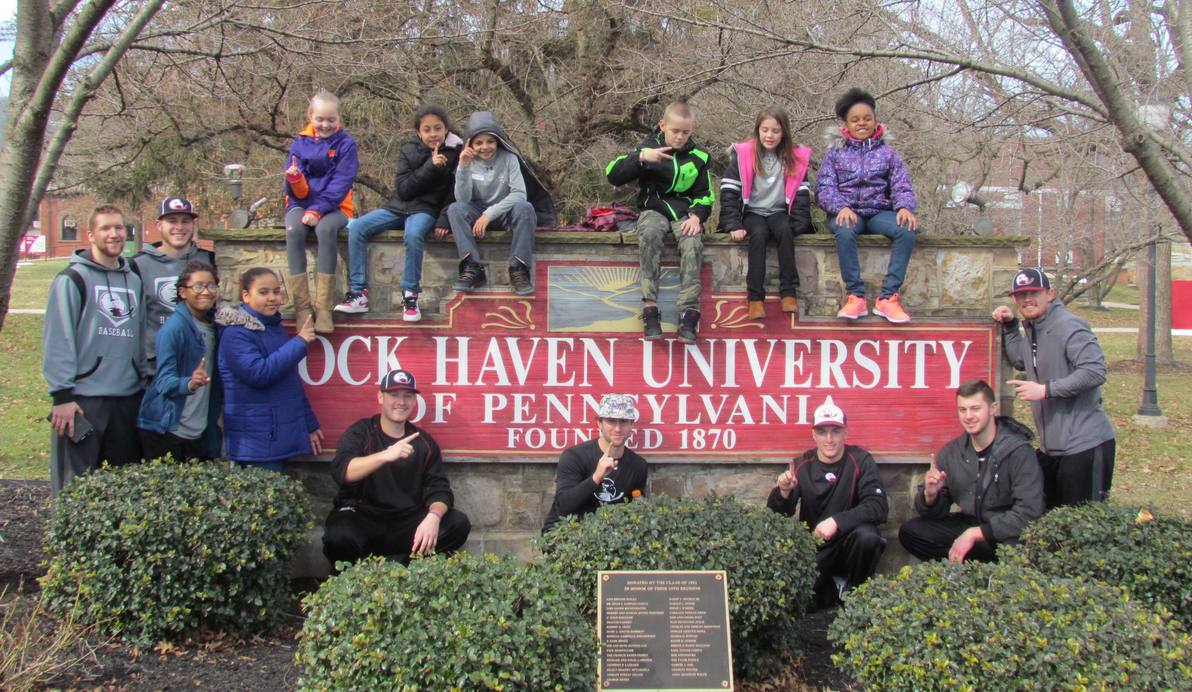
x=892 y=310
x=853 y=308
x=410 y=311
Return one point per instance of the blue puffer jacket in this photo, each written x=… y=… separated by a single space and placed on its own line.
x=267 y=416
x=180 y=349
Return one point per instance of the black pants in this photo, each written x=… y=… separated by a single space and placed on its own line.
x=354 y=533
x=932 y=539
x=1076 y=478
x=156 y=445
x=113 y=439
x=760 y=230
x=853 y=556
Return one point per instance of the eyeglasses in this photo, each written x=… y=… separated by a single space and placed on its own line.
x=209 y=288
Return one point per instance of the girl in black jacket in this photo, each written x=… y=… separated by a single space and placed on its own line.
x=422 y=189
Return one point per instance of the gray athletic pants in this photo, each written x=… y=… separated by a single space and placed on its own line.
x=326 y=230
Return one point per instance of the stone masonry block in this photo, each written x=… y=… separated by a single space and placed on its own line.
x=522 y=511
x=674 y=487
x=480 y=498
x=966 y=277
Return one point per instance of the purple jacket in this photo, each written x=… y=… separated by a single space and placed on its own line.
x=865 y=175
x=328 y=172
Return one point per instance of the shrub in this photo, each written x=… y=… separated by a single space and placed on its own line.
x=1105 y=542
x=1002 y=627
x=459 y=623
x=769 y=560
x=153 y=551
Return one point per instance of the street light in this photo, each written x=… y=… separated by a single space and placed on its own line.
x=1155 y=114
x=963 y=193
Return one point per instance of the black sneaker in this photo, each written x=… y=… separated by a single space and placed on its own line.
x=653 y=323
x=471 y=275
x=689 y=326
x=519 y=276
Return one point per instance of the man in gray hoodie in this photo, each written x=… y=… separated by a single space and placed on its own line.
x=159 y=265
x=1065 y=369
x=990 y=471
x=495 y=188
x=93 y=354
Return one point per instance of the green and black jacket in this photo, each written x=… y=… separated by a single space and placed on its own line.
x=672 y=187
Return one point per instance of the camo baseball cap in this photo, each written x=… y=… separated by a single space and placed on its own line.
x=618 y=406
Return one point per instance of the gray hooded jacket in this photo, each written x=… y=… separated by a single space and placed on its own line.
x=92 y=340
x=1061 y=351
x=159 y=277
x=502 y=180
x=1006 y=496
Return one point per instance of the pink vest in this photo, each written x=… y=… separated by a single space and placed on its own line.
x=745 y=166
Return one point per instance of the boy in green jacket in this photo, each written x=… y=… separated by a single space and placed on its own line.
x=675 y=194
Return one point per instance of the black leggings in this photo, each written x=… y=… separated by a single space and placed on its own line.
x=760 y=230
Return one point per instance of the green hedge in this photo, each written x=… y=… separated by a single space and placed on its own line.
x=769 y=560
x=1105 y=542
x=1001 y=627
x=461 y=623
x=153 y=551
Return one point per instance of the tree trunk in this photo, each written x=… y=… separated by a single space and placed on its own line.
x=1163 y=346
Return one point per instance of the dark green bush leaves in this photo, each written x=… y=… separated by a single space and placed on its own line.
x=1003 y=627
x=770 y=561
x=458 y=624
x=153 y=551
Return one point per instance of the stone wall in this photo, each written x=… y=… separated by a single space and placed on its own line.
x=953 y=279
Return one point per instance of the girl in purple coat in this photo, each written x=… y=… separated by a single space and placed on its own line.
x=864 y=187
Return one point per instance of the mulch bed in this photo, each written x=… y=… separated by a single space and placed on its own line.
x=222 y=663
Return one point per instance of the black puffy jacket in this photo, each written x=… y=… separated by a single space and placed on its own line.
x=420 y=187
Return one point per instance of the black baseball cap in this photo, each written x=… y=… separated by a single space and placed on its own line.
x=177 y=205
x=1030 y=279
x=399 y=379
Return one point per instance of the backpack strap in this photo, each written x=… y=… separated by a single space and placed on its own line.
x=80 y=285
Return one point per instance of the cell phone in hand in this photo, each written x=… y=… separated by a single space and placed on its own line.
x=82 y=427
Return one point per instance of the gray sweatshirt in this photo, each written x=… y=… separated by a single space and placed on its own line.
x=159 y=277
x=497 y=183
x=1068 y=359
x=92 y=340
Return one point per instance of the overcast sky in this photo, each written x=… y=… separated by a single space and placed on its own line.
x=8 y=8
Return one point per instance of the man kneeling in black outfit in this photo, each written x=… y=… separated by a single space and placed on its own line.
x=394 y=498
x=990 y=471
x=842 y=502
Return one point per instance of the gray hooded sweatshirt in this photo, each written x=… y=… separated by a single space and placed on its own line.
x=159 y=278
x=92 y=340
x=502 y=180
x=1061 y=351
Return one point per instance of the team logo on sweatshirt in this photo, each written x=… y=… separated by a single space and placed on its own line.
x=166 y=288
x=119 y=305
x=608 y=491
x=830 y=476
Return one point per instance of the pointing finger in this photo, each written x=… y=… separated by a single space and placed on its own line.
x=202 y=363
x=407 y=439
x=293 y=162
x=933 y=466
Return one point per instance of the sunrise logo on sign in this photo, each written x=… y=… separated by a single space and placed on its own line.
x=522 y=376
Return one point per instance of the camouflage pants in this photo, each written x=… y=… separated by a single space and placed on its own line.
x=651 y=229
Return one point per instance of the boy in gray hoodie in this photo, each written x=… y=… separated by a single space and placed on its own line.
x=495 y=188
x=94 y=356
x=159 y=265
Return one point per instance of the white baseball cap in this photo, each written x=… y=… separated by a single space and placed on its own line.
x=618 y=406
x=830 y=414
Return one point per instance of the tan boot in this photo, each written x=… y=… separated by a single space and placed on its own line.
x=324 y=303
x=757 y=309
x=299 y=289
x=790 y=304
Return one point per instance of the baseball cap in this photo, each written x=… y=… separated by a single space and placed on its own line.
x=1030 y=279
x=399 y=379
x=177 y=205
x=829 y=414
x=618 y=406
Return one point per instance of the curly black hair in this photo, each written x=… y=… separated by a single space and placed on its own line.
x=851 y=98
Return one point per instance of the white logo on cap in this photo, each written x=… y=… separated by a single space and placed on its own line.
x=1022 y=279
x=177 y=204
x=402 y=378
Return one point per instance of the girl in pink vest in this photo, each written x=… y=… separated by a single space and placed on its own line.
x=764 y=194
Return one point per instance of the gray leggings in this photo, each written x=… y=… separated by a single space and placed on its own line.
x=327 y=231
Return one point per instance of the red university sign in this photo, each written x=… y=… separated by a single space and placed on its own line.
x=520 y=377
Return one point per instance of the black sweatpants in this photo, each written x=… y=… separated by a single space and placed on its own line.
x=357 y=532
x=156 y=445
x=113 y=439
x=1076 y=478
x=932 y=539
x=853 y=556
x=760 y=230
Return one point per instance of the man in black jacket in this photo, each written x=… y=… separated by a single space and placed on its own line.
x=842 y=502
x=601 y=471
x=394 y=498
x=990 y=471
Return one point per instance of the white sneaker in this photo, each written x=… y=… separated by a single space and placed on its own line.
x=354 y=303
x=410 y=311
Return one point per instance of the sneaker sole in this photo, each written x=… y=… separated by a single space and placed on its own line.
x=415 y=318
x=688 y=341
x=892 y=319
x=844 y=316
x=648 y=337
x=458 y=287
x=349 y=311
x=524 y=292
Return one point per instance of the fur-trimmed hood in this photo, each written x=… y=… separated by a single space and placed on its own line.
x=230 y=315
x=836 y=137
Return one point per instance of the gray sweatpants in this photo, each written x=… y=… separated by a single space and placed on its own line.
x=326 y=230
x=521 y=220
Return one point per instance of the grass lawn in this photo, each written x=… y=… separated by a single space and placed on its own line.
x=32 y=284
x=24 y=432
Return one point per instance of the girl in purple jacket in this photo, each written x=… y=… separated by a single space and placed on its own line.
x=864 y=187
x=322 y=169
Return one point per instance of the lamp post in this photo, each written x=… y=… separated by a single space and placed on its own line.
x=1155 y=113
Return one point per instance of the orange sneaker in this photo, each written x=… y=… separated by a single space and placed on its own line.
x=892 y=310
x=854 y=308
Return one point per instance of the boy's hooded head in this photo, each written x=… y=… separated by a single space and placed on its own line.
x=485 y=145
x=677 y=124
x=856 y=109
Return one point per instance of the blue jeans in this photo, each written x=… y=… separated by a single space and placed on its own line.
x=883 y=223
x=416 y=226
